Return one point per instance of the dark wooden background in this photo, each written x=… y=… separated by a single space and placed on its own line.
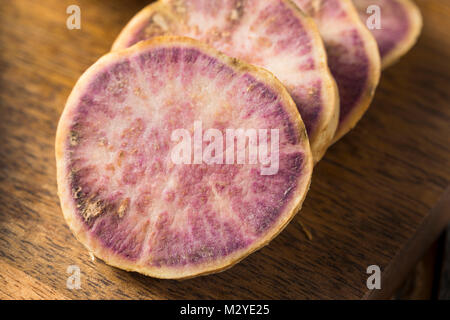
x=374 y=197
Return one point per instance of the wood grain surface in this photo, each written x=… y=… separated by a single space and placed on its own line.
x=374 y=198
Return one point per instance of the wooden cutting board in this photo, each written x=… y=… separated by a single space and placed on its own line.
x=374 y=198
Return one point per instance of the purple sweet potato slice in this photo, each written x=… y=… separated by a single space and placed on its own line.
x=401 y=23
x=353 y=56
x=125 y=198
x=273 y=34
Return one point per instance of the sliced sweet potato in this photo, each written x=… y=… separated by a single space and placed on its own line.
x=353 y=56
x=401 y=23
x=131 y=204
x=273 y=34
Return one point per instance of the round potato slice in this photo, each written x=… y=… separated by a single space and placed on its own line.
x=400 y=26
x=273 y=34
x=174 y=160
x=353 y=57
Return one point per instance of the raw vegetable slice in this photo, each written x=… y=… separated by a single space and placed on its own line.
x=273 y=34
x=400 y=22
x=353 y=56
x=138 y=201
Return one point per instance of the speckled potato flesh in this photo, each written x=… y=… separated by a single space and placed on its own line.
x=401 y=23
x=273 y=34
x=353 y=56
x=130 y=204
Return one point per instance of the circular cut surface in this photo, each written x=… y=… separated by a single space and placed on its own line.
x=353 y=56
x=273 y=34
x=131 y=204
x=401 y=23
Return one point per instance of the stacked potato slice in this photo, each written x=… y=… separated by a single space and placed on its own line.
x=291 y=76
